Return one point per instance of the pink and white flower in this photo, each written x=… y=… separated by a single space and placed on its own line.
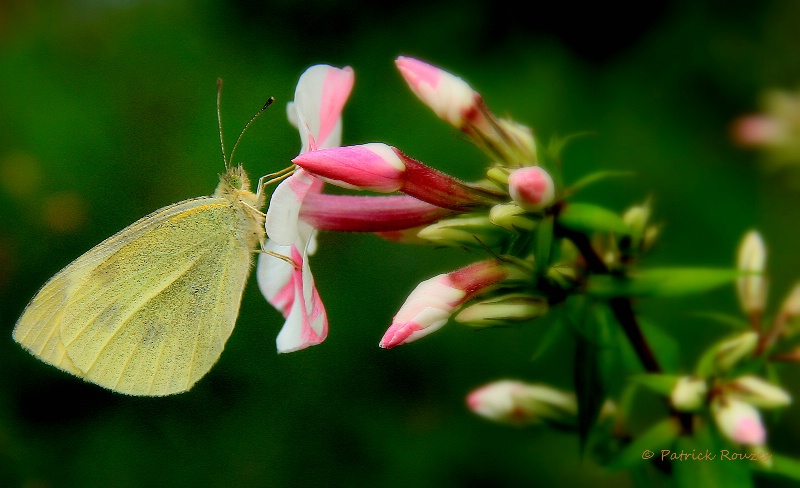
x=298 y=210
x=319 y=99
x=434 y=301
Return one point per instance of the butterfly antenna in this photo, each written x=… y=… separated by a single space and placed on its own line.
x=219 y=123
x=265 y=107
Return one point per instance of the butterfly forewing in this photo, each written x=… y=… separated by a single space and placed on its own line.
x=148 y=311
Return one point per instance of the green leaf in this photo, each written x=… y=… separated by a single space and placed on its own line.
x=519 y=244
x=587 y=380
x=544 y=244
x=609 y=341
x=557 y=144
x=586 y=217
x=665 y=348
x=661 y=282
x=588 y=387
x=592 y=178
x=733 y=351
x=556 y=331
x=659 y=383
x=659 y=437
x=725 y=319
x=783 y=466
x=714 y=472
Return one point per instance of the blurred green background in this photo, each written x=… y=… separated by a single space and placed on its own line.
x=107 y=112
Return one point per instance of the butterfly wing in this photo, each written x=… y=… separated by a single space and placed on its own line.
x=148 y=311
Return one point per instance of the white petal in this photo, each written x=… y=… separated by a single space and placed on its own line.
x=283 y=215
x=274 y=278
x=318 y=100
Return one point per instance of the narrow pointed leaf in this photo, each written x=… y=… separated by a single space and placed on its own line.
x=659 y=437
x=586 y=217
x=592 y=178
x=544 y=244
x=725 y=319
x=783 y=466
x=588 y=387
x=659 y=383
x=661 y=282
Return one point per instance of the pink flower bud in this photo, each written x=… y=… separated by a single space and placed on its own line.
x=739 y=421
x=532 y=188
x=351 y=213
x=382 y=168
x=374 y=166
x=433 y=301
x=450 y=97
x=758 y=131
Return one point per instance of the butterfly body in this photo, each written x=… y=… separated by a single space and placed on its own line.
x=148 y=310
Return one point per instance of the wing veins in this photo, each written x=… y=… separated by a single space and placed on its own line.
x=123 y=322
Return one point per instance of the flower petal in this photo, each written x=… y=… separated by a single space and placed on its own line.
x=306 y=323
x=372 y=166
x=283 y=222
x=274 y=278
x=318 y=101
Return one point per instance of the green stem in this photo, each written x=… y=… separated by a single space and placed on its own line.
x=623 y=311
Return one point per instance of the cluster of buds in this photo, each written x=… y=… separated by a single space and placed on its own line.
x=732 y=399
x=537 y=248
x=723 y=383
x=419 y=204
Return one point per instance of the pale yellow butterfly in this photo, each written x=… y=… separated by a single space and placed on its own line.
x=148 y=310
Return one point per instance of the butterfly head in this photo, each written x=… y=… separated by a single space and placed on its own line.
x=234 y=179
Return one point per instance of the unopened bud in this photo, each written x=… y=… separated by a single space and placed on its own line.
x=462 y=231
x=739 y=421
x=518 y=403
x=511 y=216
x=532 y=188
x=503 y=310
x=791 y=305
x=450 y=97
x=759 y=392
x=758 y=131
x=636 y=218
x=498 y=174
x=405 y=236
x=752 y=288
x=518 y=141
x=689 y=393
x=650 y=235
x=730 y=352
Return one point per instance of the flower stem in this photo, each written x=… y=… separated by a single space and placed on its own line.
x=620 y=306
x=623 y=311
